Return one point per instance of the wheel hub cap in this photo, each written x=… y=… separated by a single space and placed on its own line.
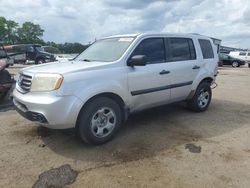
x=203 y=99
x=103 y=122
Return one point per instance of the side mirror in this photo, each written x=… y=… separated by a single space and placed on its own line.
x=137 y=60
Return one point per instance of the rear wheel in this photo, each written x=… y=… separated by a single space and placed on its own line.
x=99 y=121
x=201 y=98
x=220 y=64
x=235 y=64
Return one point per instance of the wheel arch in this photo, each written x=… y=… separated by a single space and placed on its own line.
x=207 y=79
x=110 y=95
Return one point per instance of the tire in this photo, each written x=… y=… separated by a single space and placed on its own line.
x=235 y=64
x=40 y=61
x=93 y=123
x=248 y=65
x=220 y=64
x=201 y=98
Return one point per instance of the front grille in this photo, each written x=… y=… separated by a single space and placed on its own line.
x=24 y=82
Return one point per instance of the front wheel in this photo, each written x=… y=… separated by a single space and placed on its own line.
x=201 y=98
x=40 y=61
x=99 y=121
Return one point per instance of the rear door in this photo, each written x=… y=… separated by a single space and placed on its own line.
x=183 y=66
x=148 y=85
x=227 y=60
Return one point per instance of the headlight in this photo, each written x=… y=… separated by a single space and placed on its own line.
x=46 y=82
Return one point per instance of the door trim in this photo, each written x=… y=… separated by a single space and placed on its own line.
x=155 y=89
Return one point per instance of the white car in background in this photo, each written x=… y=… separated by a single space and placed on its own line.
x=243 y=55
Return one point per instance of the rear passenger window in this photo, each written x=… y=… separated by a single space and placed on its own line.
x=153 y=49
x=243 y=54
x=206 y=48
x=181 y=49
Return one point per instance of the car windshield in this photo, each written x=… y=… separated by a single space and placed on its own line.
x=40 y=49
x=106 y=50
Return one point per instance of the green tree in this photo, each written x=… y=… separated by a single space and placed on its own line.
x=2 y=28
x=11 y=32
x=70 y=48
x=30 y=33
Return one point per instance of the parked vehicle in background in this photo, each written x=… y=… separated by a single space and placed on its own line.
x=117 y=76
x=226 y=59
x=6 y=81
x=4 y=56
x=243 y=55
x=30 y=52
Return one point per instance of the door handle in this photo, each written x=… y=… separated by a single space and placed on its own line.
x=164 y=72
x=196 y=67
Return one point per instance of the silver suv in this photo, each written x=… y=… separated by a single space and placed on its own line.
x=115 y=77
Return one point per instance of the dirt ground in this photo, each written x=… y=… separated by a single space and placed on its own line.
x=163 y=147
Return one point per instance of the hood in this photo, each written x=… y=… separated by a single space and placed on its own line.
x=64 y=67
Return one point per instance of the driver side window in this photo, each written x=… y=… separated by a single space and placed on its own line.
x=153 y=49
x=31 y=49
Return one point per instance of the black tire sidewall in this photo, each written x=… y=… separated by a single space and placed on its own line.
x=84 y=126
x=193 y=103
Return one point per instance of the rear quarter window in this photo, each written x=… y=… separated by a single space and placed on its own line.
x=243 y=54
x=206 y=48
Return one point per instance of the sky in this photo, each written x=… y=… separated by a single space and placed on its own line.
x=84 y=20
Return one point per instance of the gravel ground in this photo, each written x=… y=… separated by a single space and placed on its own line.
x=164 y=147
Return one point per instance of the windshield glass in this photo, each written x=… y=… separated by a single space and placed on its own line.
x=106 y=50
x=40 y=49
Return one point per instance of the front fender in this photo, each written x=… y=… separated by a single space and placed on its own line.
x=98 y=88
x=87 y=84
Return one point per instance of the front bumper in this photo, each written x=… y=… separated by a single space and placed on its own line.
x=48 y=109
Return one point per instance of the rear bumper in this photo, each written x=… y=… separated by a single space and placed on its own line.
x=48 y=110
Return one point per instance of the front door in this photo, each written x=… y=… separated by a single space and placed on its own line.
x=148 y=85
x=30 y=53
